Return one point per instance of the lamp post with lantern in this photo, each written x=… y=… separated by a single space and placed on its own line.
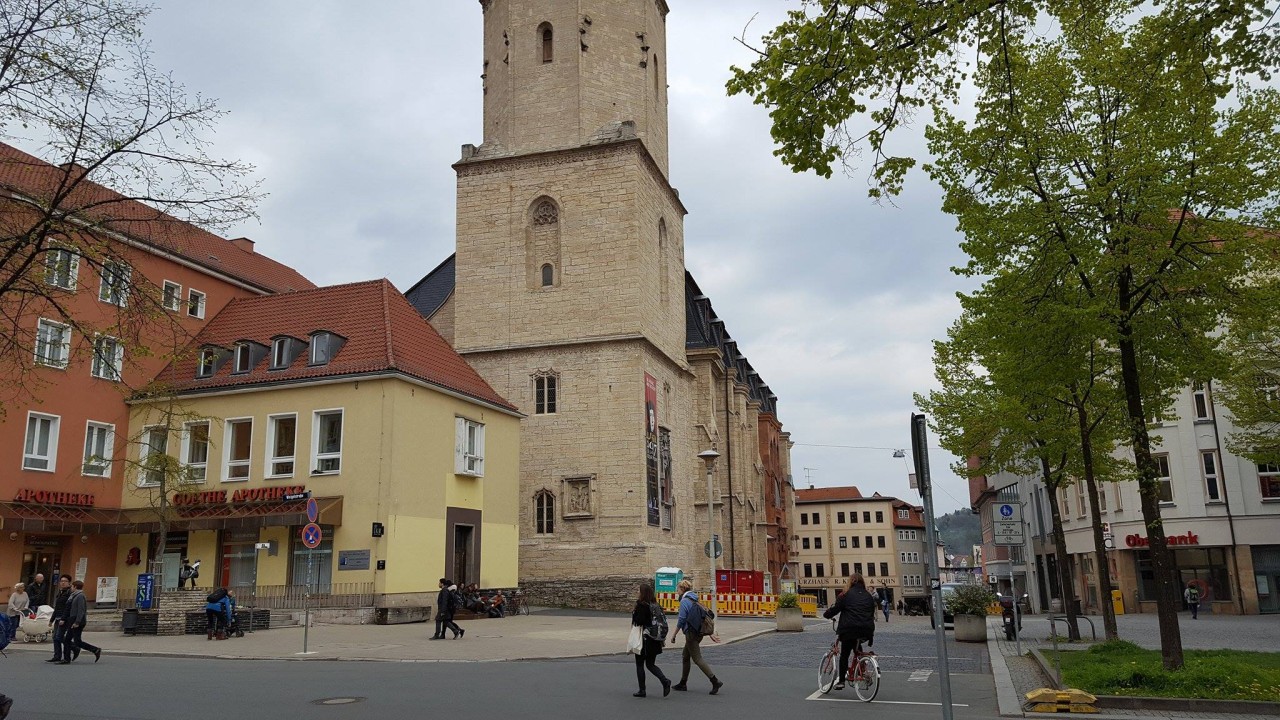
x=709 y=457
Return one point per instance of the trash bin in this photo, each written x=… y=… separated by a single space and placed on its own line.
x=130 y=622
x=1117 y=601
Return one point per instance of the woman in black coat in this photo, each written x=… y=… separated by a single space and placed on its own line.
x=642 y=616
x=857 y=610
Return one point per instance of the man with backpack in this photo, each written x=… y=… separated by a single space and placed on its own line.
x=217 y=611
x=695 y=620
x=1192 y=596
x=447 y=603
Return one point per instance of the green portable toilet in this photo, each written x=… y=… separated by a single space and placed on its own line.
x=666 y=579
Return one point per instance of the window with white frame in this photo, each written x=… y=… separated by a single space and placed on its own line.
x=904 y=514
x=99 y=439
x=239 y=443
x=114 y=288
x=195 y=303
x=1269 y=481
x=1209 y=466
x=321 y=348
x=910 y=558
x=282 y=352
x=282 y=436
x=844 y=542
x=195 y=450
x=1165 y=477
x=61 y=267
x=469 y=448
x=544 y=512
x=546 y=394
x=207 y=364
x=53 y=343
x=1081 y=508
x=1102 y=499
x=244 y=358
x=1201 y=403
x=40 y=452
x=108 y=358
x=171 y=296
x=817 y=543
x=154 y=446
x=327 y=442
x=1119 y=498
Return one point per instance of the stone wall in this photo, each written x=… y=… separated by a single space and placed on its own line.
x=174 y=607
x=613 y=592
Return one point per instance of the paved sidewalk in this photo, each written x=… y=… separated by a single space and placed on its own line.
x=1016 y=675
x=542 y=635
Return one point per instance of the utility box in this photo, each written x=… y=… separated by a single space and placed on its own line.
x=1117 y=601
x=743 y=582
x=666 y=579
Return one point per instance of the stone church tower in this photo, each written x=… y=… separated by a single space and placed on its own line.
x=568 y=293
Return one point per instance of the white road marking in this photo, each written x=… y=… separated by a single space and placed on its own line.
x=920 y=676
x=817 y=695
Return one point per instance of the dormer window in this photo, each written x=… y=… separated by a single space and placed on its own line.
x=244 y=358
x=211 y=358
x=284 y=350
x=324 y=345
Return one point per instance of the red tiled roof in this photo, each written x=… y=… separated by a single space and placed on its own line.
x=30 y=176
x=829 y=494
x=383 y=333
x=917 y=515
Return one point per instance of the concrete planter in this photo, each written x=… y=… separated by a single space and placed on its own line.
x=790 y=619
x=971 y=628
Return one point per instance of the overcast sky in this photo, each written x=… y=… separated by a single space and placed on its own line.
x=354 y=112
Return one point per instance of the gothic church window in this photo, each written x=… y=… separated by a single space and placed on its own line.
x=548 y=275
x=664 y=268
x=544 y=511
x=542 y=244
x=547 y=37
x=546 y=391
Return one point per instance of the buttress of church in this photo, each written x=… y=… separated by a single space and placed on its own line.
x=568 y=293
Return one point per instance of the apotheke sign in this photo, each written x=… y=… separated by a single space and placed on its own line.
x=49 y=497
x=1137 y=541
x=241 y=496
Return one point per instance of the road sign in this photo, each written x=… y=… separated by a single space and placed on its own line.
x=1008 y=532
x=719 y=549
x=312 y=535
x=1008 y=511
x=294 y=497
x=313 y=510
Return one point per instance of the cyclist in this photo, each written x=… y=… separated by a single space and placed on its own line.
x=857 y=610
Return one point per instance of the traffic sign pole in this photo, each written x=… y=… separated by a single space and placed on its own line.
x=920 y=453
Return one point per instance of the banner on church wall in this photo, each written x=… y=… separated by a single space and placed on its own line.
x=651 y=449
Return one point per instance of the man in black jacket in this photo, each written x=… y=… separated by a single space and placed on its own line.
x=857 y=610
x=38 y=592
x=77 y=616
x=58 y=621
x=446 y=605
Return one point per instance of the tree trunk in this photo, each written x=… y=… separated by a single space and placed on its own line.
x=1102 y=569
x=1065 y=586
x=1149 y=492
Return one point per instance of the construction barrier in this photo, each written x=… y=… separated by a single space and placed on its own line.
x=740 y=605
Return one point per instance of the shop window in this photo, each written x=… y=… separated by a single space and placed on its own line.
x=282 y=436
x=61 y=267
x=114 y=287
x=108 y=358
x=326 y=442
x=1207 y=566
x=469 y=448
x=53 y=343
x=544 y=513
x=171 y=296
x=239 y=439
x=1209 y=464
x=41 y=448
x=151 y=456
x=1165 y=477
x=99 y=440
x=1269 y=481
x=312 y=569
x=195 y=451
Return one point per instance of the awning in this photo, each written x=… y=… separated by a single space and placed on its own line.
x=40 y=518
x=36 y=518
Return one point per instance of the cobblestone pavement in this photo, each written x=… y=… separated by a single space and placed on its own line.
x=904 y=644
x=1248 y=632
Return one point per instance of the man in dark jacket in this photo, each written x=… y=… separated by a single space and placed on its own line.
x=446 y=604
x=38 y=592
x=59 y=620
x=77 y=616
x=857 y=610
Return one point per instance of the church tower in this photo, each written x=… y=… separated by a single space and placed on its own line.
x=570 y=291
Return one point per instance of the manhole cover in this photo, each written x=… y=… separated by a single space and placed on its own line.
x=337 y=701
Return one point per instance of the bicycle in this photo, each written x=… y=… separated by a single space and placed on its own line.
x=517 y=604
x=863 y=673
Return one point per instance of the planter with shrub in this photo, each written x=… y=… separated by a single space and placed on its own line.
x=789 y=617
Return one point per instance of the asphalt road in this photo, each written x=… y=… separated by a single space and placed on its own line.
x=774 y=673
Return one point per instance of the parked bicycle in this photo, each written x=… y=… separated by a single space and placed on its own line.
x=517 y=604
x=863 y=672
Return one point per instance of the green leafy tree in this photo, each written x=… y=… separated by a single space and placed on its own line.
x=1251 y=386
x=1127 y=146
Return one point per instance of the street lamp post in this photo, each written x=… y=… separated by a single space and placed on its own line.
x=709 y=457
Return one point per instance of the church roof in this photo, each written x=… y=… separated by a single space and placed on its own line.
x=703 y=330
x=380 y=333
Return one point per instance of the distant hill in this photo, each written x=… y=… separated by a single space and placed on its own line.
x=960 y=530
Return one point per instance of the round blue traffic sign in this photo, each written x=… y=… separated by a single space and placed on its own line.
x=312 y=535
x=313 y=510
x=1006 y=510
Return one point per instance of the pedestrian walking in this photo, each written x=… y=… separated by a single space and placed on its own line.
x=187 y=574
x=652 y=623
x=446 y=605
x=19 y=601
x=61 y=603
x=884 y=605
x=38 y=592
x=900 y=607
x=1192 y=596
x=77 y=616
x=690 y=621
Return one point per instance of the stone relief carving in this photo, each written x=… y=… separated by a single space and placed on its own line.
x=577 y=497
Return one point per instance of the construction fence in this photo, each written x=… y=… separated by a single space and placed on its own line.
x=740 y=605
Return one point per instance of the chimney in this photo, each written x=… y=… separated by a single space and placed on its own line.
x=243 y=243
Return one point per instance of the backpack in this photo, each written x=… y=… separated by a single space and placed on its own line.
x=657 y=629
x=217 y=595
x=455 y=601
x=1193 y=594
x=700 y=620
